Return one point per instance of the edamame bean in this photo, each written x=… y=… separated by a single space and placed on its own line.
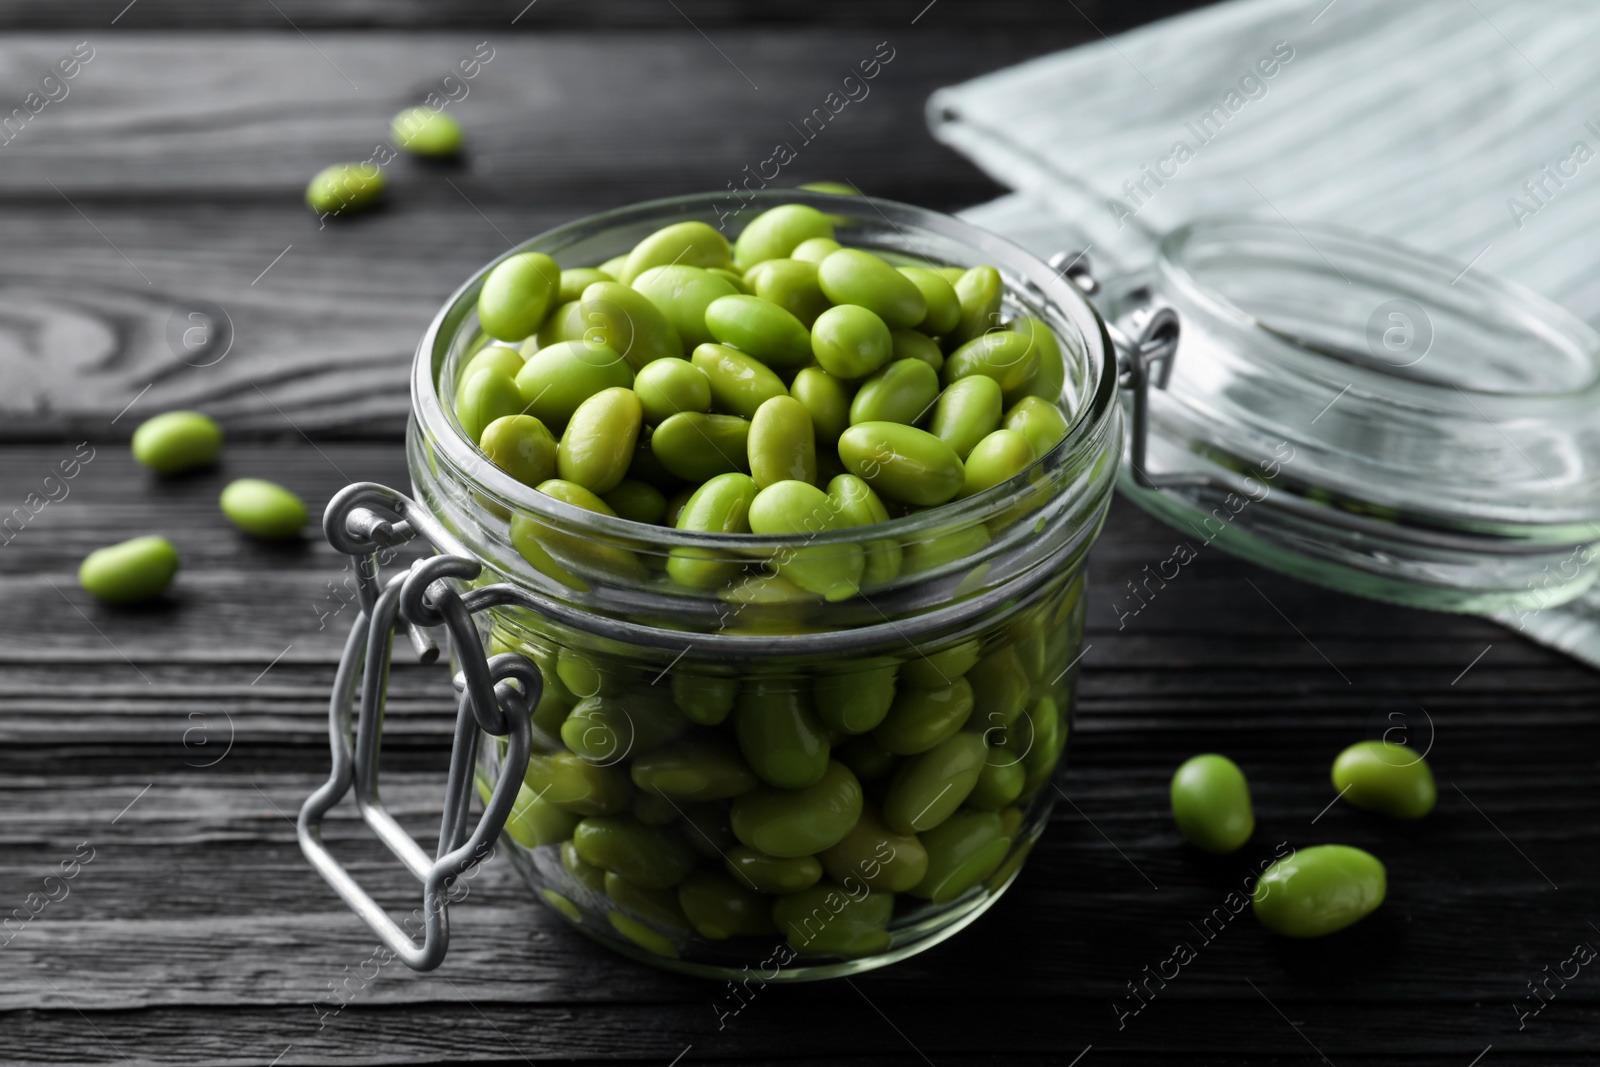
x=647 y=468
x=522 y=447
x=900 y=392
x=792 y=285
x=534 y=823
x=858 y=505
x=774 y=234
x=669 y=386
x=838 y=920
x=1317 y=891
x=345 y=187
x=555 y=380
x=130 y=571
x=761 y=328
x=583 y=872
x=962 y=851
x=836 y=188
x=565 y=323
x=795 y=508
x=177 y=441
x=1385 y=777
x=1040 y=421
x=942 y=547
x=656 y=906
x=799 y=822
x=693 y=770
x=967 y=412
x=874 y=854
x=920 y=719
x=689 y=244
x=1046 y=381
x=782 y=445
x=854 y=276
x=739 y=383
x=577 y=786
x=487 y=395
x=850 y=342
x=698 y=447
x=910 y=344
x=826 y=400
x=637 y=501
x=613 y=266
x=720 y=505
x=903 y=463
x=683 y=294
x=1000 y=688
x=1008 y=357
x=781 y=737
x=517 y=294
x=263 y=509
x=944 y=307
x=855 y=698
x=999 y=783
x=732 y=277
x=929 y=787
x=979 y=291
x=720 y=907
x=647 y=856
x=652 y=810
x=999 y=457
x=625 y=321
x=705 y=827
x=932 y=670
x=771 y=874
x=704 y=698
x=498 y=356
x=608 y=729
x=868 y=759
x=597 y=444
x=423 y=131
x=572 y=549
x=1211 y=803
x=575 y=280
x=814 y=250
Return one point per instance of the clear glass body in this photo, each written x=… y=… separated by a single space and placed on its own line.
x=1333 y=369
x=985 y=609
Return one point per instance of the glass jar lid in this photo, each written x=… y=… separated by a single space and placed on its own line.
x=1365 y=415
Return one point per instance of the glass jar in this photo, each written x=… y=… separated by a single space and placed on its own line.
x=961 y=646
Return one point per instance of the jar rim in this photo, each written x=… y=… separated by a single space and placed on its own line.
x=1091 y=421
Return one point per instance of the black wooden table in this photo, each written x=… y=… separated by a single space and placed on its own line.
x=159 y=755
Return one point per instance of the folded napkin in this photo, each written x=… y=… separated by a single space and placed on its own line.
x=1469 y=128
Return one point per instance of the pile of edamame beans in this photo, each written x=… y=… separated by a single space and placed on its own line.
x=782 y=385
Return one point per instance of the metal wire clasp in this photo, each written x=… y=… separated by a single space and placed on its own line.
x=498 y=696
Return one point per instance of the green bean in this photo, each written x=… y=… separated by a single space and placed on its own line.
x=705 y=699
x=999 y=457
x=826 y=400
x=698 y=447
x=720 y=505
x=967 y=412
x=877 y=856
x=683 y=293
x=177 y=441
x=597 y=445
x=921 y=719
x=814 y=250
x=485 y=396
x=423 y=131
x=637 y=501
x=943 y=306
x=962 y=851
x=625 y=321
x=517 y=294
x=782 y=445
x=555 y=380
x=263 y=509
x=583 y=872
x=900 y=391
x=1385 y=777
x=799 y=822
x=690 y=244
x=345 y=187
x=1010 y=358
x=522 y=447
x=795 y=508
x=534 y=822
x=909 y=344
x=850 y=342
x=720 y=907
x=693 y=770
x=129 y=571
x=929 y=787
x=579 y=787
x=575 y=280
x=1318 y=891
x=792 y=285
x=739 y=383
x=647 y=856
x=781 y=737
x=774 y=234
x=1211 y=803
x=761 y=328
x=978 y=291
x=903 y=463
x=854 y=698
x=853 y=276
x=1040 y=421
x=770 y=874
